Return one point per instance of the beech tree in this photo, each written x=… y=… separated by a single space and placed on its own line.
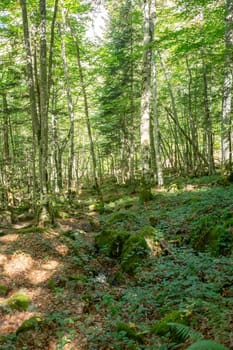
x=227 y=90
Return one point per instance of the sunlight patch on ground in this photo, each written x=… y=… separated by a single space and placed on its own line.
x=9 y=238
x=3 y=259
x=50 y=265
x=38 y=276
x=62 y=249
x=19 y=263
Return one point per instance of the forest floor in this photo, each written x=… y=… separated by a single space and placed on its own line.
x=77 y=298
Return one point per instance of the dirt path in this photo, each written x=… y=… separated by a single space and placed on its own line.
x=42 y=266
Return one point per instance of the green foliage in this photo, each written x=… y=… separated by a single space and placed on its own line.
x=206 y=345
x=162 y=326
x=181 y=332
x=130 y=331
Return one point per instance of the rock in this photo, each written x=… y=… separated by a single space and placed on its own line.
x=19 y=301
x=135 y=249
x=145 y=195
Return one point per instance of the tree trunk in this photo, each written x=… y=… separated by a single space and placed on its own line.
x=156 y=125
x=36 y=126
x=148 y=11
x=43 y=146
x=227 y=90
x=208 y=122
x=70 y=105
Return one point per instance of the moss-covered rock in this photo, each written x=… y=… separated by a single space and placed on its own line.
x=130 y=331
x=214 y=234
x=121 y=216
x=3 y=290
x=135 y=249
x=145 y=195
x=161 y=327
x=111 y=242
x=31 y=323
x=19 y=301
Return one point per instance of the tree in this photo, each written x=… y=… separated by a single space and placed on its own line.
x=227 y=90
x=149 y=14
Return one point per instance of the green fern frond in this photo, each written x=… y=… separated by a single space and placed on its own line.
x=206 y=345
x=181 y=332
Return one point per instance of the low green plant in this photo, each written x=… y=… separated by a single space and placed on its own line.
x=206 y=345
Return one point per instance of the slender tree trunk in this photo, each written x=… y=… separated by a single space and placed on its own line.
x=132 y=104
x=208 y=122
x=227 y=90
x=70 y=104
x=36 y=126
x=156 y=125
x=6 y=152
x=148 y=10
x=51 y=46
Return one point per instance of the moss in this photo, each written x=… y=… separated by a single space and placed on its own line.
x=110 y=242
x=135 y=249
x=31 y=230
x=130 y=331
x=145 y=195
x=161 y=327
x=3 y=290
x=120 y=216
x=31 y=323
x=147 y=231
x=19 y=301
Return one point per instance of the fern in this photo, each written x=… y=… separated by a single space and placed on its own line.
x=181 y=332
x=206 y=345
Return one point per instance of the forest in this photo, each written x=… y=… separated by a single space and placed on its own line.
x=116 y=175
